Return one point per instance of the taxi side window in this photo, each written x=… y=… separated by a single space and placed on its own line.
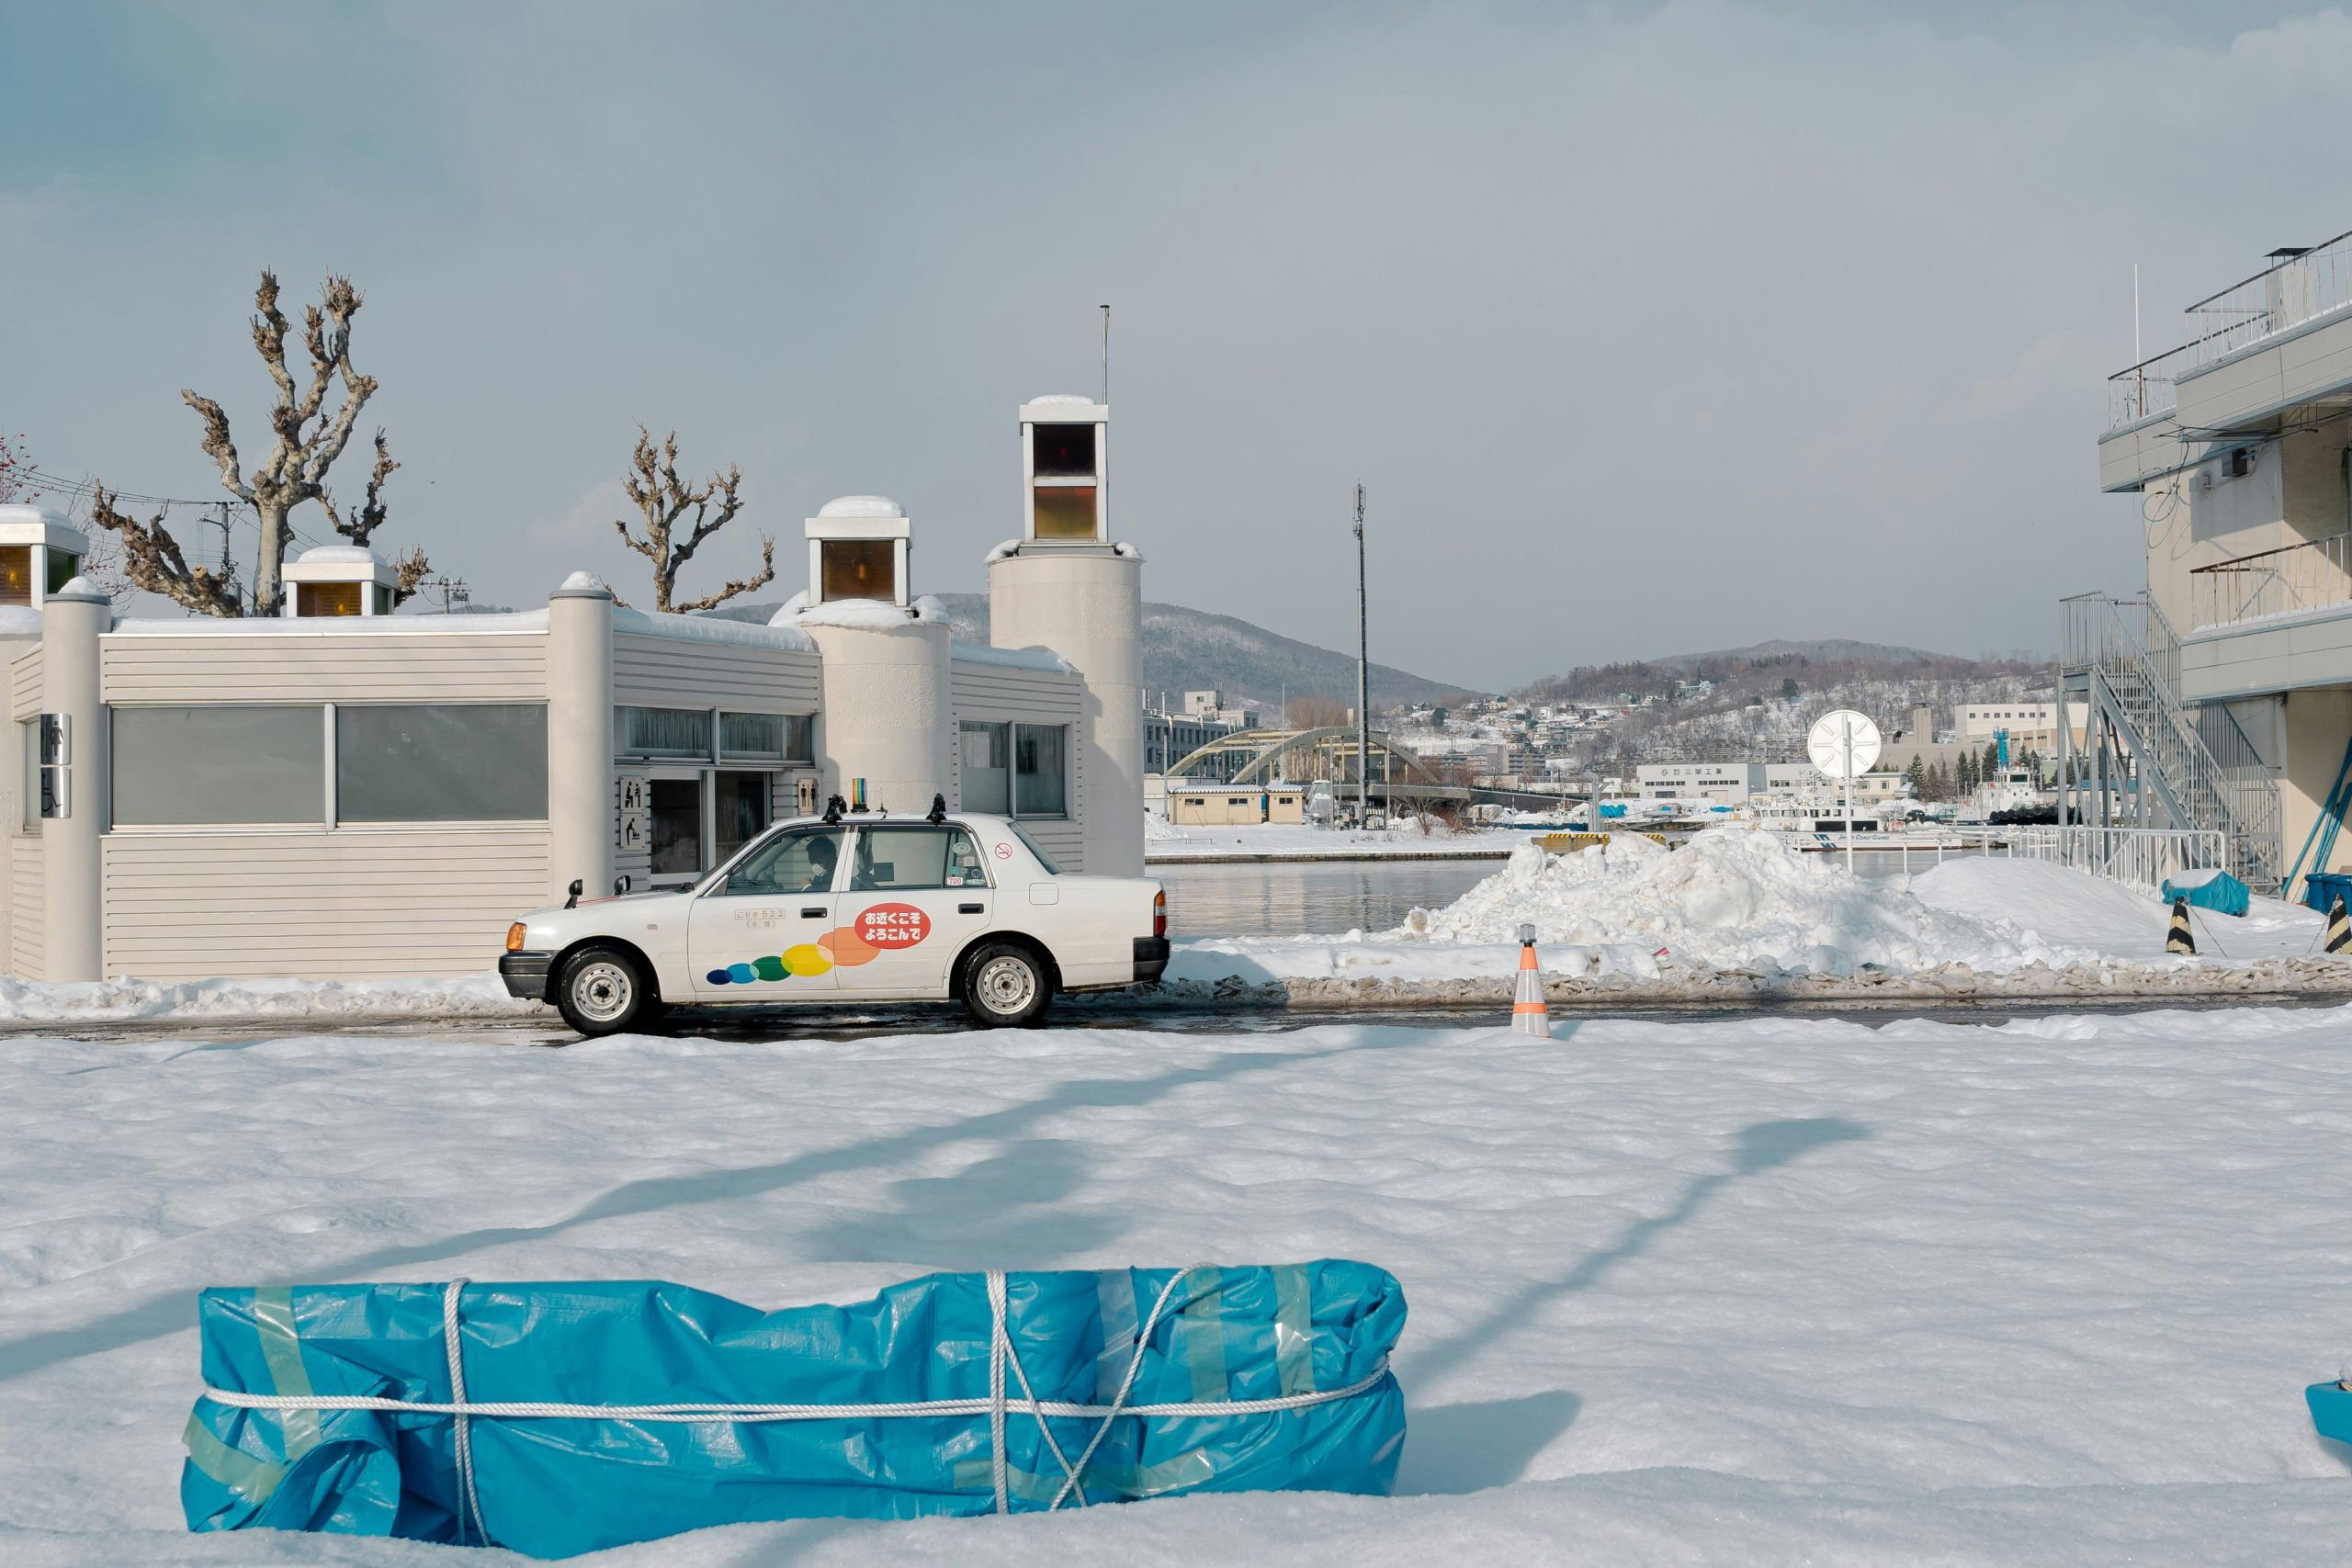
x=911 y=859
x=798 y=861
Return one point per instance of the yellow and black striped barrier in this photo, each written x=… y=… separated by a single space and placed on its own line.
x=2339 y=927
x=2181 y=939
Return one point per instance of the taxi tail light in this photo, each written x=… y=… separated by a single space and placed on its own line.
x=1160 y=913
x=515 y=937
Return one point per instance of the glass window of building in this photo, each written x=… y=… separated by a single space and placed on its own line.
x=1041 y=770
x=857 y=568
x=441 y=763
x=985 y=761
x=674 y=825
x=218 y=764
x=767 y=737
x=741 y=803
x=62 y=567
x=16 y=574
x=312 y=600
x=661 y=732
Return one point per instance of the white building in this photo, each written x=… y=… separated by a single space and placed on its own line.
x=347 y=794
x=2225 y=684
x=1728 y=782
x=2031 y=727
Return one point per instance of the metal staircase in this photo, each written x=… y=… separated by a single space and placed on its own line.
x=2194 y=767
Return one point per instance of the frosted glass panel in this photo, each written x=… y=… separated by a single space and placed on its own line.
x=441 y=763
x=986 y=767
x=197 y=765
x=1064 y=512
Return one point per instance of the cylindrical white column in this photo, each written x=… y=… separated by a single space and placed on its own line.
x=888 y=711
x=1085 y=602
x=12 y=808
x=580 y=736
x=73 y=928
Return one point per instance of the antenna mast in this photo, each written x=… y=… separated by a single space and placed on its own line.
x=1106 y=353
x=1363 y=684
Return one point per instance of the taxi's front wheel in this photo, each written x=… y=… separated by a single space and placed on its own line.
x=1005 y=986
x=602 y=990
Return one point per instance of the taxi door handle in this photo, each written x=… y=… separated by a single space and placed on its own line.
x=817 y=914
x=971 y=909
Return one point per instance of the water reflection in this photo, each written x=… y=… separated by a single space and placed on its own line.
x=1313 y=898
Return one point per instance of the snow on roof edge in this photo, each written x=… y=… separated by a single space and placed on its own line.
x=1010 y=658
x=706 y=628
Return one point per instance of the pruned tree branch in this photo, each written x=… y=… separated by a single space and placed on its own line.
x=151 y=561
x=306 y=439
x=409 y=568
x=370 y=517
x=653 y=485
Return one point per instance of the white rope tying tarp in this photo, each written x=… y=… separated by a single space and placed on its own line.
x=996 y=1406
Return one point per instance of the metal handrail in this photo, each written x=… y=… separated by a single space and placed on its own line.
x=2208 y=777
x=2283 y=296
x=2308 y=575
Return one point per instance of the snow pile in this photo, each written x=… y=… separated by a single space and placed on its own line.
x=126 y=999
x=1731 y=899
x=1771 y=1291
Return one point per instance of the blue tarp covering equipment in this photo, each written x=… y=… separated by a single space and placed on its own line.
x=2322 y=888
x=2214 y=890
x=562 y=1418
x=2330 y=1406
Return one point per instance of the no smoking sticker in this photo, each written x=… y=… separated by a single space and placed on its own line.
x=1004 y=851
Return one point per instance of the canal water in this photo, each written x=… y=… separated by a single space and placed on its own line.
x=1327 y=897
x=1310 y=898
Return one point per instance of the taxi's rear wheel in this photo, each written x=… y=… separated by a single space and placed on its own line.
x=603 y=990
x=1005 y=986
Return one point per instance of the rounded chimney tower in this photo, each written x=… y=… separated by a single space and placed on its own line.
x=1066 y=587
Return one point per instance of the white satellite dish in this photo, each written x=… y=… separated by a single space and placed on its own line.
x=1843 y=744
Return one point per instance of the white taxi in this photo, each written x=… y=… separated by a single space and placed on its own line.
x=849 y=908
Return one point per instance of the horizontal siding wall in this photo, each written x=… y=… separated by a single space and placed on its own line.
x=350 y=905
x=995 y=693
x=674 y=672
x=24 y=684
x=27 y=914
x=273 y=667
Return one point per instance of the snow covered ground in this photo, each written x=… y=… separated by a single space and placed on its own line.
x=1735 y=912
x=1763 y=1292
x=1278 y=840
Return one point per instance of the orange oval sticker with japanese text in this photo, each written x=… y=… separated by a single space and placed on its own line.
x=892 y=925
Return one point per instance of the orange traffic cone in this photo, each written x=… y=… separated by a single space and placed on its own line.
x=1528 y=1013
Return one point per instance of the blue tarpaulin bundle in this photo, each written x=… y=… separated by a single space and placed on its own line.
x=2214 y=890
x=561 y=1418
x=2330 y=1406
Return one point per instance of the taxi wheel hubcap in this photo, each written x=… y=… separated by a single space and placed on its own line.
x=602 y=990
x=1006 y=985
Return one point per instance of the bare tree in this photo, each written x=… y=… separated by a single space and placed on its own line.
x=653 y=484
x=306 y=439
x=152 y=559
x=16 y=471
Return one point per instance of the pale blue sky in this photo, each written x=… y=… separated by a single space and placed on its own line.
x=1650 y=327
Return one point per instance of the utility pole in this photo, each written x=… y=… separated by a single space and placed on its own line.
x=1364 y=683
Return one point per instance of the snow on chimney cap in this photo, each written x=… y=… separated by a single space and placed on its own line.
x=1063 y=399
x=323 y=555
x=861 y=506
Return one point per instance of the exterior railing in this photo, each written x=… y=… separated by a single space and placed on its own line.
x=2279 y=299
x=2141 y=857
x=2204 y=761
x=2308 y=576
x=2146 y=388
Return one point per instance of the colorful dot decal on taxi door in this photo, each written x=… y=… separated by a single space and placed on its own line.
x=879 y=928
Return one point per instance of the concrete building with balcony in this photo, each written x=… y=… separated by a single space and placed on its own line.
x=2220 y=696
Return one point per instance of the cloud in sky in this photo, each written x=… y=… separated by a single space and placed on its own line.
x=1649 y=328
